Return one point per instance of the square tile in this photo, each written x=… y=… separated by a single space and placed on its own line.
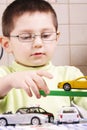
x=10 y=59
x=51 y=1
x=83 y=69
x=64 y=35
x=9 y=1
x=62 y=13
x=2 y=8
x=78 y=14
x=78 y=1
x=62 y=1
x=79 y=55
x=78 y=34
x=2 y=1
x=61 y=56
x=4 y=59
x=0 y=30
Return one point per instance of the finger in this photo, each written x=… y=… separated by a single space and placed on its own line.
x=27 y=89
x=32 y=85
x=40 y=82
x=45 y=73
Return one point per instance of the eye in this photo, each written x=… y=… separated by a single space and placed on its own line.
x=25 y=36
x=46 y=35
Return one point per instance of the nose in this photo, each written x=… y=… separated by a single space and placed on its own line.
x=37 y=41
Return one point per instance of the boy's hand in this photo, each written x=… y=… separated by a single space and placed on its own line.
x=30 y=81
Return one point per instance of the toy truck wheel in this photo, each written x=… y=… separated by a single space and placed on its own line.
x=67 y=87
x=35 y=121
x=3 y=122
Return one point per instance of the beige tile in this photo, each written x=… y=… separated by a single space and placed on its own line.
x=62 y=1
x=78 y=1
x=2 y=1
x=0 y=29
x=78 y=14
x=51 y=1
x=10 y=59
x=61 y=56
x=83 y=69
x=9 y=1
x=62 y=12
x=4 y=59
x=79 y=55
x=64 y=34
x=78 y=34
x=2 y=8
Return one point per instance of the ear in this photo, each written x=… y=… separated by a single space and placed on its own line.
x=5 y=43
x=58 y=34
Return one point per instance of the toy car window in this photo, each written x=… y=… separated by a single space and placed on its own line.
x=22 y=111
x=82 y=79
x=69 y=111
x=30 y=110
x=41 y=110
x=35 y=110
x=10 y=112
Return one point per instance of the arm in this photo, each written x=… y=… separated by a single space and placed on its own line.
x=29 y=81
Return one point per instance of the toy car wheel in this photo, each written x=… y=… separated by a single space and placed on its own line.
x=51 y=119
x=35 y=121
x=67 y=87
x=3 y=122
x=58 y=122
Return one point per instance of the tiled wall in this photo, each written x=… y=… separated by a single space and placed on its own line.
x=72 y=46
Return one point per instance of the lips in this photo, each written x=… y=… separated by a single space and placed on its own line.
x=37 y=54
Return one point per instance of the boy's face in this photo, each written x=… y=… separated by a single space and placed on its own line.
x=36 y=52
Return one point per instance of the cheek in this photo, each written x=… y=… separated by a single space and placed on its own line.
x=17 y=50
x=51 y=48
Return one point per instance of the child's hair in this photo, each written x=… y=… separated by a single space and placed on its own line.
x=19 y=7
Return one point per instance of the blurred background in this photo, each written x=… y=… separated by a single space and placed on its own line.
x=72 y=45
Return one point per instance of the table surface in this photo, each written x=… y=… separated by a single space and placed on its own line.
x=79 y=126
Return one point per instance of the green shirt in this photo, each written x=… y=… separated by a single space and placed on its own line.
x=17 y=98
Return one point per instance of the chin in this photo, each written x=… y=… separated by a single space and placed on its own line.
x=35 y=64
x=38 y=64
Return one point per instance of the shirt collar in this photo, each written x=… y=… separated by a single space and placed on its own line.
x=19 y=67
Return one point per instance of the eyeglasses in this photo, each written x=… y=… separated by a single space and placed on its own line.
x=30 y=37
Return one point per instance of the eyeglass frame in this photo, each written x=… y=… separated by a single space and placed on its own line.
x=34 y=36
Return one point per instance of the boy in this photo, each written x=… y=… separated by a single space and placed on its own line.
x=30 y=34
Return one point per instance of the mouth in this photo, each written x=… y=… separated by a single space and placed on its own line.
x=38 y=54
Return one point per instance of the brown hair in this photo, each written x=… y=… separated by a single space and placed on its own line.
x=19 y=7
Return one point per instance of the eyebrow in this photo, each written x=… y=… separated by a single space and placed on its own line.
x=32 y=31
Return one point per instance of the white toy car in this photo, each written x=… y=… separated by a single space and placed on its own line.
x=37 y=110
x=68 y=115
x=22 y=118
